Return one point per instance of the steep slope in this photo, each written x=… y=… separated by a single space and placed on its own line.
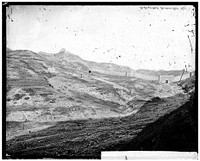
x=188 y=85
x=176 y=131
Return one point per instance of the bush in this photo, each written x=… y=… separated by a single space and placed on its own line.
x=8 y=99
x=30 y=91
x=52 y=101
x=18 y=96
x=8 y=88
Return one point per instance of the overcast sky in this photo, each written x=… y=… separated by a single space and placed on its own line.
x=142 y=37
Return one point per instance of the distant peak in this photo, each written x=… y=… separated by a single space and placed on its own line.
x=63 y=50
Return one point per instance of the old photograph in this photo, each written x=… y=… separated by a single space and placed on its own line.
x=83 y=79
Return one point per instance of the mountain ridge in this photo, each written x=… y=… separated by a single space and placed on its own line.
x=65 y=55
x=90 y=64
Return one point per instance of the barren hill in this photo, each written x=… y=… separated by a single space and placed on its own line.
x=175 y=131
x=78 y=102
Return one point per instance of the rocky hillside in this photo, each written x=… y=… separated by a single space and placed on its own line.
x=60 y=87
x=176 y=131
x=59 y=105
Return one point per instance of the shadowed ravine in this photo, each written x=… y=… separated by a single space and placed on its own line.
x=87 y=138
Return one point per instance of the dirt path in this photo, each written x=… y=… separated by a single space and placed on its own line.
x=112 y=83
x=167 y=90
x=27 y=131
